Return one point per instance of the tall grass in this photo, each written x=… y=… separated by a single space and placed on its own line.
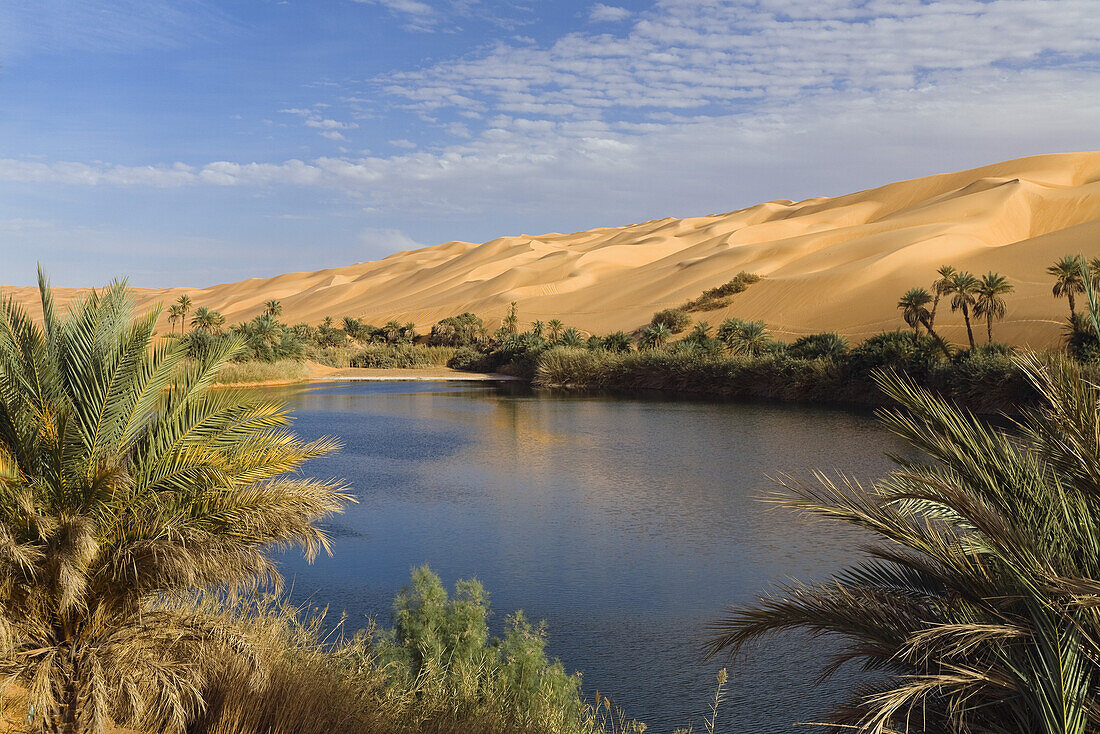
x=403 y=356
x=285 y=370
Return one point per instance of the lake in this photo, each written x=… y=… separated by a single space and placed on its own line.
x=626 y=524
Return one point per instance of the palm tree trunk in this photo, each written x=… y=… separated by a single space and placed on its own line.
x=989 y=328
x=935 y=305
x=939 y=340
x=969 y=330
x=1072 y=306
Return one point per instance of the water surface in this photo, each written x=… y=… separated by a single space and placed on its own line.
x=625 y=524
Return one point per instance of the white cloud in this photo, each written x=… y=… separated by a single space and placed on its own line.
x=314 y=119
x=411 y=7
x=720 y=56
x=703 y=106
x=601 y=13
x=419 y=16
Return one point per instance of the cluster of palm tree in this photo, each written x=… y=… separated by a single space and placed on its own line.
x=1072 y=275
x=205 y=319
x=126 y=485
x=982 y=297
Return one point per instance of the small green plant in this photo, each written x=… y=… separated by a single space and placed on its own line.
x=676 y=319
x=722 y=296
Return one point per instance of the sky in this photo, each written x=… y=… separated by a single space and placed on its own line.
x=194 y=142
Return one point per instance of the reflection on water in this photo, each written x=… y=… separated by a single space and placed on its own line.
x=626 y=524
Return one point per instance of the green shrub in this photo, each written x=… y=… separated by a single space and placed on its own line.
x=440 y=647
x=617 y=341
x=899 y=350
x=676 y=319
x=819 y=346
x=722 y=296
x=457 y=331
x=199 y=342
x=1081 y=340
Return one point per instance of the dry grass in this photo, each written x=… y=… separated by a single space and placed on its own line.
x=254 y=373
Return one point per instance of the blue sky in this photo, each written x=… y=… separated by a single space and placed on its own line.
x=184 y=142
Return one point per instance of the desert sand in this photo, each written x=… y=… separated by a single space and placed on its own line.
x=830 y=264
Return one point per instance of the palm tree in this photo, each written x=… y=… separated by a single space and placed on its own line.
x=206 y=319
x=537 y=328
x=511 y=321
x=976 y=606
x=273 y=308
x=555 y=326
x=752 y=339
x=655 y=336
x=729 y=331
x=941 y=287
x=914 y=308
x=572 y=338
x=963 y=288
x=126 y=482
x=989 y=302
x=617 y=341
x=184 y=302
x=392 y=332
x=267 y=329
x=176 y=314
x=1069 y=280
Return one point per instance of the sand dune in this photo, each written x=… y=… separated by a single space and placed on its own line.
x=830 y=264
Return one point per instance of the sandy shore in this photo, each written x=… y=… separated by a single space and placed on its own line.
x=433 y=374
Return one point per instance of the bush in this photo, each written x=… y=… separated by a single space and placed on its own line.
x=676 y=319
x=333 y=356
x=898 y=350
x=440 y=646
x=1081 y=340
x=819 y=346
x=515 y=354
x=470 y=359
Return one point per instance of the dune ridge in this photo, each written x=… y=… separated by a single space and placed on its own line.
x=830 y=264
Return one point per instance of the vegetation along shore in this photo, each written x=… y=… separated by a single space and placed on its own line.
x=675 y=353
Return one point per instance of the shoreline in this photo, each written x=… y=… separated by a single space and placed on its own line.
x=322 y=374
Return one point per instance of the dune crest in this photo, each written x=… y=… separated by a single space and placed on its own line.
x=830 y=264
